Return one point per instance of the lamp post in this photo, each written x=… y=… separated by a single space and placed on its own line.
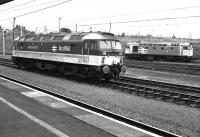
x=13 y=33
x=4 y=47
x=59 y=22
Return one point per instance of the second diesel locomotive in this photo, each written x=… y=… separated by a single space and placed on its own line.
x=86 y=54
x=160 y=51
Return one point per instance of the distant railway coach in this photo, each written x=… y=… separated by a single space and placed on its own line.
x=89 y=54
x=157 y=51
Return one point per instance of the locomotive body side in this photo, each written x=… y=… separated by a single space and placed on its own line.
x=71 y=53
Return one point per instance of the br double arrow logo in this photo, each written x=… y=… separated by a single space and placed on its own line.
x=54 y=48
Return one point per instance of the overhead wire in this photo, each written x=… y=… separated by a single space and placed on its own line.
x=136 y=21
x=162 y=10
x=43 y=8
x=28 y=7
x=139 y=13
x=165 y=24
x=38 y=10
x=145 y=20
x=25 y=3
x=116 y=22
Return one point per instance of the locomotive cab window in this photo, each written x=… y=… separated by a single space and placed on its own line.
x=116 y=45
x=110 y=45
x=105 y=44
x=186 y=48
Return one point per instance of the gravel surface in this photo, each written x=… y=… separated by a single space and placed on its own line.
x=174 y=78
x=182 y=120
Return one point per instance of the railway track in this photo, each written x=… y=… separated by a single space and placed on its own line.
x=179 y=94
x=186 y=68
x=7 y=62
x=117 y=117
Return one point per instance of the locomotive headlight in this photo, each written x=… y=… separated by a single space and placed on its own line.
x=116 y=61
x=106 y=70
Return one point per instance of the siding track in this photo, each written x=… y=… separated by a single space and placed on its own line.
x=179 y=94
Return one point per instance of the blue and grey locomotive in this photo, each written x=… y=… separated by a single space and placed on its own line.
x=160 y=51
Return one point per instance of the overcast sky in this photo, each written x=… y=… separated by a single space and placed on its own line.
x=156 y=17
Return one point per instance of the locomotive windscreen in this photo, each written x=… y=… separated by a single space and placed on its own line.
x=110 y=44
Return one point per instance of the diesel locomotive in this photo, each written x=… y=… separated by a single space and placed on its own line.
x=160 y=51
x=86 y=54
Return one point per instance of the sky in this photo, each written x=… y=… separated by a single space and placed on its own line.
x=155 y=17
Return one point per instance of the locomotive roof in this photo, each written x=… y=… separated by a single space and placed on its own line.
x=79 y=36
x=159 y=43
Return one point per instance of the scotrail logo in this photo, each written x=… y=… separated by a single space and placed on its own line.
x=54 y=48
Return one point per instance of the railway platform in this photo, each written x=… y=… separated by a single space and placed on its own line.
x=28 y=112
x=167 y=77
